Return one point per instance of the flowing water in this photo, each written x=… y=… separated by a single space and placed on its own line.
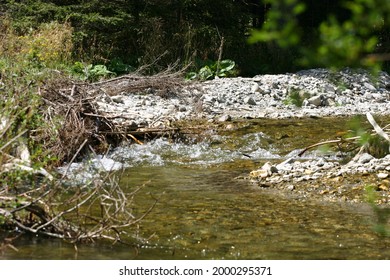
x=204 y=212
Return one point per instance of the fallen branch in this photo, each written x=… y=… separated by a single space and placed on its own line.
x=326 y=143
x=143 y=131
x=135 y=139
x=377 y=128
x=74 y=157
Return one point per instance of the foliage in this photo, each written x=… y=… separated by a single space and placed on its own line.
x=137 y=32
x=21 y=125
x=224 y=68
x=30 y=131
x=373 y=144
x=90 y=72
x=289 y=33
x=356 y=128
x=281 y=24
x=296 y=97
x=49 y=45
x=356 y=35
x=118 y=67
x=28 y=63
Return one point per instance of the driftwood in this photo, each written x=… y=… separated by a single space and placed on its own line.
x=352 y=140
x=164 y=84
x=336 y=141
x=377 y=128
x=99 y=209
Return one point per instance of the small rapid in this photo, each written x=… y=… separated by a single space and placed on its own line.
x=215 y=150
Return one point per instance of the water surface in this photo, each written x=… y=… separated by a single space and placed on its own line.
x=204 y=212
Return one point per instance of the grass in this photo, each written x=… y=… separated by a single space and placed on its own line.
x=296 y=97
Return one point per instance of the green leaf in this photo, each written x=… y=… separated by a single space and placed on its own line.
x=119 y=67
x=100 y=70
x=299 y=8
x=191 y=76
x=205 y=73
x=226 y=65
x=78 y=67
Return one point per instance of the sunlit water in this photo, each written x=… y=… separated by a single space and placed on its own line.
x=204 y=212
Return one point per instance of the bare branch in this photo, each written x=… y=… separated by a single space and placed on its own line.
x=377 y=128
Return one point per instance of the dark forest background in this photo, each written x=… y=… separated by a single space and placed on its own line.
x=260 y=36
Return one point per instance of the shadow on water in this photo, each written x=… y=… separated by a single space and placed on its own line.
x=203 y=212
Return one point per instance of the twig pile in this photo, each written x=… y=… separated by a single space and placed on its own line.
x=99 y=210
x=163 y=84
x=73 y=126
x=71 y=109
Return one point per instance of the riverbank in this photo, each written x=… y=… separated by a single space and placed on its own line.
x=315 y=93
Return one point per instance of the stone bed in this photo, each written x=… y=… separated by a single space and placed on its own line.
x=323 y=93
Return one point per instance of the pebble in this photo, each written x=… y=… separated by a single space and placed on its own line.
x=369 y=86
x=224 y=118
x=382 y=175
x=290 y=187
x=290 y=171
x=316 y=100
x=249 y=100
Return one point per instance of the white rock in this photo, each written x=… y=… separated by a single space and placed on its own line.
x=369 y=86
x=316 y=100
x=382 y=175
x=255 y=88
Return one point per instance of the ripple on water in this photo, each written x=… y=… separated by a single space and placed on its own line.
x=208 y=152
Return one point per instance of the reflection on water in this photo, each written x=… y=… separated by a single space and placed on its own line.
x=206 y=215
x=203 y=212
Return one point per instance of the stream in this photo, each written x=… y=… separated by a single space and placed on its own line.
x=204 y=212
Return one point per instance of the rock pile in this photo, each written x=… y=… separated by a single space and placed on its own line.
x=328 y=178
x=322 y=93
x=296 y=171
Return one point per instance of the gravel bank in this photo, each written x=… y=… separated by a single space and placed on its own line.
x=322 y=93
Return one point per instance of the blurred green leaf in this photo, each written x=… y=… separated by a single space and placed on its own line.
x=205 y=73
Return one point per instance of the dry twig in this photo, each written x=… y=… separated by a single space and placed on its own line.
x=378 y=131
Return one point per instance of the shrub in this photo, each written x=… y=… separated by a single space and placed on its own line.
x=50 y=45
x=224 y=68
x=90 y=72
